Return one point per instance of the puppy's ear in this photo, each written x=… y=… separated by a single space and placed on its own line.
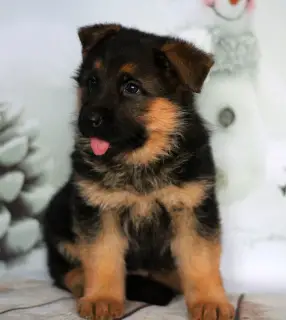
x=91 y=35
x=190 y=64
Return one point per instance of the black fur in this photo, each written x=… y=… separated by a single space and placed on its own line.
x=57 y=226
x=191 y=160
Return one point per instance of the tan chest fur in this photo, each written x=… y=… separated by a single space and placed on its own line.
x=172 y=197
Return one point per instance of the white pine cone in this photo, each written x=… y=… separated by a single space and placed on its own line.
x=25 y=191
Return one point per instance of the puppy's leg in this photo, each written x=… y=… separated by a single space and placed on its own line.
x=73 y=279
x=198 y=260
x=104 y=271
x=74 y=282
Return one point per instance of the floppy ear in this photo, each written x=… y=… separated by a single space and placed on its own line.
x=91 y=35
x=190 y=64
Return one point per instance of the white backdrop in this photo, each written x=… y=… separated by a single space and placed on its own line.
x=39 y=51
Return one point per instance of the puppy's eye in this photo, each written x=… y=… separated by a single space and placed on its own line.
x=92 y=82
x=131 y=88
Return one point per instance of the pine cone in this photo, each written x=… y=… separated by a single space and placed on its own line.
x=24 y=183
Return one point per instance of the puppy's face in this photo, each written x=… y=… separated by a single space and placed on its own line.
x=133 y=91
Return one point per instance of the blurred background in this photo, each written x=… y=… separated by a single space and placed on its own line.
x=38 y=56
x=40 y=51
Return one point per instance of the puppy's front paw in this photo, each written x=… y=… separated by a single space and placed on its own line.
x=211 y=311
x=100 y=309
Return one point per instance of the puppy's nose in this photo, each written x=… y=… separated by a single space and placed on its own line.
x=96 y=119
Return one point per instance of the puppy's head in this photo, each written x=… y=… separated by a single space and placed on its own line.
x=135 y=91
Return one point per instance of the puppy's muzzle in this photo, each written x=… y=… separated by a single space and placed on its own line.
x=95 y=119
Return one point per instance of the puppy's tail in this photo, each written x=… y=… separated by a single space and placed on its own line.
x=139 y=288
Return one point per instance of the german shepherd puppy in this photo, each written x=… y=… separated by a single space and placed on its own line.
x=141 y=197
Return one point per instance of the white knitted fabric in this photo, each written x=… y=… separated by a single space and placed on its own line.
x=235 y=53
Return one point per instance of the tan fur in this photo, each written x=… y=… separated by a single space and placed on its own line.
x=175 y=53
x=175 y=199
x=104 y=271
x=98 y=64
x=74 y=281
x=192 y=64
x=142 y=206
x=170 y=279
x=189 y=195
x=198 y=262
x=198 y=259
x=92 y=34
x=128 y=68
x=69 y=250
x=103 y=261
x=162 y=121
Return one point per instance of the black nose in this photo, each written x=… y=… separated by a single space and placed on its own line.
x=96 y=119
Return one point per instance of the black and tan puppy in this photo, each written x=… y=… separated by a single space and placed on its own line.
x=141 y=196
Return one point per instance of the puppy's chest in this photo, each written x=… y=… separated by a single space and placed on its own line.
x=140 y=208
x=140 y=215
x=148 y=226
x=145 y=207
x=146 y=218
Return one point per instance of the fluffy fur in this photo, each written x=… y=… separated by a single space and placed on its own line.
x=146 y=207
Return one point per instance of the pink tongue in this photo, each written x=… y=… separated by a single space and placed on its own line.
x=99 y=147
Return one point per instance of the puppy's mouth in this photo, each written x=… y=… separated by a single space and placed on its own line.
x=98 y=146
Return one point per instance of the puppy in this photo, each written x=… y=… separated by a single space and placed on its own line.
x=140 y=199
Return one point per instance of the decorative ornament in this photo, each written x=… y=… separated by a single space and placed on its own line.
x=228 y=101
x=226 y=117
